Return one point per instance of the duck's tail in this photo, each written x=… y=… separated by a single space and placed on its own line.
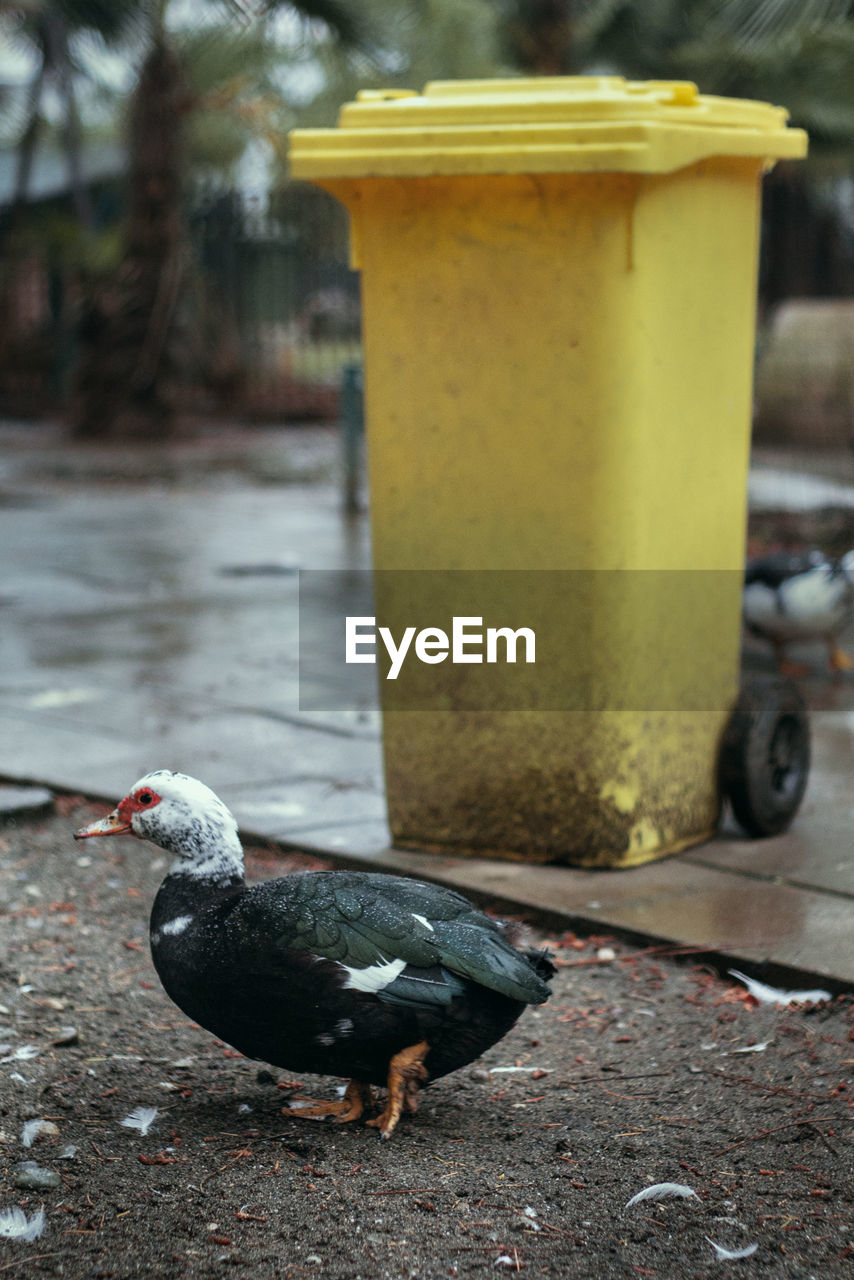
x=541 y=962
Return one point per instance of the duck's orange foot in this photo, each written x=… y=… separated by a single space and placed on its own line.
x=357 y=1097
x=838 y=660
x=411 y=1097
x=404 y=1071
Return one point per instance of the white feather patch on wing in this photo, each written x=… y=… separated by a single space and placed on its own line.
x=663 y=1191
x=176 y=926
x=423 y=920
x=15 y=1225
x=374 y=977
x=142 y=1118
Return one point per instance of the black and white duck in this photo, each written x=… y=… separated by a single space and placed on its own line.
x=797 y=597
x=377 y=978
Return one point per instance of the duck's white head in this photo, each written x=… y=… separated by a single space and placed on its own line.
x=181 y=815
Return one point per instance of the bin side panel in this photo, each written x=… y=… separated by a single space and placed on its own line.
x=558 y=374
x=490 y=380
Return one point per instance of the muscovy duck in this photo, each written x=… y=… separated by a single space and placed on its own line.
x=800 y=596
x=376 y=978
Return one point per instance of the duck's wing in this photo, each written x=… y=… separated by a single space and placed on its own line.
x=401 y=940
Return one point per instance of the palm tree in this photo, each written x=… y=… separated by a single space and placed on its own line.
x=49 y=26
x=130 y=361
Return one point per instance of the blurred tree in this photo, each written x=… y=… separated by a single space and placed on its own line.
x=131 y=359
x=49 y=27
x=409 y=42
x=539 y=36
x=798 y=52
x=202 y=93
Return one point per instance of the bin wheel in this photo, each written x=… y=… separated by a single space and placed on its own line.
x=765 y=756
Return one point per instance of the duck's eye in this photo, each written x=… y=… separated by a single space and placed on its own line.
x=145 y=797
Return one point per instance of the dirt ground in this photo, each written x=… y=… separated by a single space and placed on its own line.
x=643 y=1068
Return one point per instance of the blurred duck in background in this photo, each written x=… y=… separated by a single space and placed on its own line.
x=796 y=597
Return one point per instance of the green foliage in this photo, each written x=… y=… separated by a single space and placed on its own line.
x=234 y=95
x=539 y=36
x=407 y=43
x=796 y=52
x=344 y=19
x=111 y=19
x=59 y=238
x=216 y=57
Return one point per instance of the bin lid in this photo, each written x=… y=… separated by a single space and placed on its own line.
x=560 y=124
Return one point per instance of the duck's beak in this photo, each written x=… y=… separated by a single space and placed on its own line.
x=113 y=825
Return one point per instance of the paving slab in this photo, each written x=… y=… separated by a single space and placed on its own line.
x=153 y=623
x=816 y=853
x=19 y=802
x=319 y=803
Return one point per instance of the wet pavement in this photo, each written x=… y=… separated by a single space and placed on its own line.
x=149 y=619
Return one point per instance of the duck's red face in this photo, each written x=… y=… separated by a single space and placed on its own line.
x=181 y=815
x=120 y=821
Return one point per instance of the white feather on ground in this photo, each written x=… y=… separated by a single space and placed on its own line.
x=663 y=1191
x=22 y=1054
x=15 y=1225
x=751 y=1048
x=34 y=1129
x=142 y=1118
x=773 y=995
x=730 y=1255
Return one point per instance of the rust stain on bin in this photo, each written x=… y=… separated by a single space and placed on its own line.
x=457 y=779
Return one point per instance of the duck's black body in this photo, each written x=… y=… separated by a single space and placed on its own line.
x=377 y=978
x=270 y=969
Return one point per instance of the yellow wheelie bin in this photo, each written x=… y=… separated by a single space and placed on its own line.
x=558 y=286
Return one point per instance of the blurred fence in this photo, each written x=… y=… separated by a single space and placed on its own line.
x=29 y=342
x=270 y=317
x=278 y=301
